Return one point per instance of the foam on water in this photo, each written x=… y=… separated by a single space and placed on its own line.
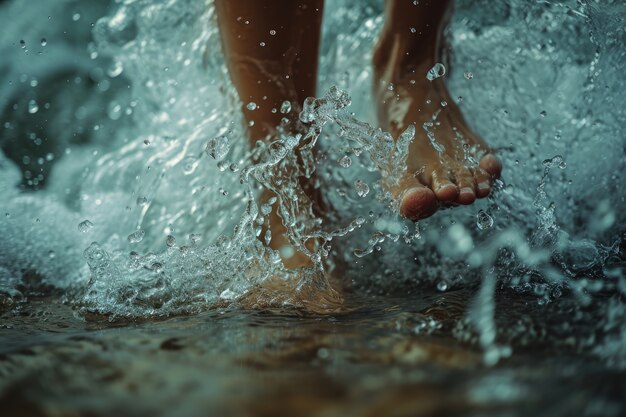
x=149 y=209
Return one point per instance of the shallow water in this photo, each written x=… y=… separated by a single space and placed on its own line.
x=392 y=356
x=129 y=217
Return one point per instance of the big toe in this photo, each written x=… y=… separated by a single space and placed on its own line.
x=491 y=165
x=418 y=202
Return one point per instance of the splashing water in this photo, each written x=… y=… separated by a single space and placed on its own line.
x=149 y=209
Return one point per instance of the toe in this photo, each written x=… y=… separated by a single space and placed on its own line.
x=491 y=165
x=418 y=203
x=483 y=183
x=443 y=187
x=466 y=184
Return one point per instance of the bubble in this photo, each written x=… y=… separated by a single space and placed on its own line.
x=33 y=107
x=285 y=107
x=137 y=236
x=251 y=106
x=483 y=220
x=217 y=148
x=170 y=241
x=190 y=165
x=345 y=161
x=44 y=42
x=442 y=286
x=272 y=32
x=142 y=201
x=362 y=189
x=85 y=226
x=468 y=75
x=543 y=113
x=413 y=30
x=22 y=44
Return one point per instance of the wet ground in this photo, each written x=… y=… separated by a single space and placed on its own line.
x=409 y=356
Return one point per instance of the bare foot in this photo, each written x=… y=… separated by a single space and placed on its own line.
x=448 y=164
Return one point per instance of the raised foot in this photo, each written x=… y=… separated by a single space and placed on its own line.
x=419 y=200
x=447 y=163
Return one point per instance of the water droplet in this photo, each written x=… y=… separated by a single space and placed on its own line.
x=483 y=220
x=285 y=107
x=85 y=226
x=218 y=147
x=137 y=236
x=438 y=70
x=251 y=106
x=115 y=69
x=362 y=189
x=44 y=41
x=468 y=75
x=345 y=161
x=33 y=107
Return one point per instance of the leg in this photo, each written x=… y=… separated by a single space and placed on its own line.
x=271 y=49
x=446 y=171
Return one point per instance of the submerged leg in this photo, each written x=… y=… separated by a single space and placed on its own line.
x=447 y=162
x=271 y=49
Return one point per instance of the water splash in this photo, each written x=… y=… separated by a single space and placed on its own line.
x=175 y=143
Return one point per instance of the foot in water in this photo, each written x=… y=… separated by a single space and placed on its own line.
x=447 y=163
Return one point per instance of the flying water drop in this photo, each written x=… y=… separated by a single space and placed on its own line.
x=33 y=107
x=483 y=220
x=285 y=107
x=345 y=161
x=85 y=226
x=438 y=70
x=137 y=236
